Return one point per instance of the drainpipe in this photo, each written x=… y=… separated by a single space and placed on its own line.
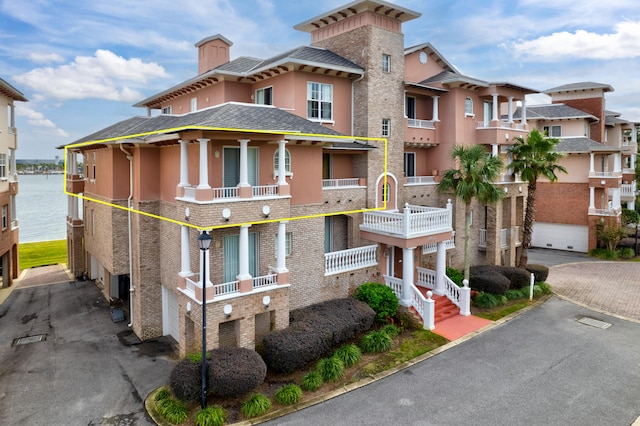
x=353 y=97
x=131 y=287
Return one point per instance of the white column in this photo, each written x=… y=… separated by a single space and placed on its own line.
x=73 y=208
x=282 y=170
x=435 y=116
x=185 y=255
x=634 y=134
x=407 y=275
x=184 y=164
x=494 y=109
x=523 y=115
x=615 y=198
x=243 y=255
x=244 y=170
x=494 y=150
x=592 y=198
x=282 y=242
x=617 y=163
x=204 y=164
x=441 y=267
x=633 y=161
x=510 y=99
x=592 y=169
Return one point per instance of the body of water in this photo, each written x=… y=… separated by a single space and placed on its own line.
x=41 y=207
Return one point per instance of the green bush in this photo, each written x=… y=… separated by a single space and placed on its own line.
x=257 y=405
x=629 y=216
x=602 y=253
x=173 y=411
x=312 y=381
x=380 y=298
x=348 y=354
x=455 y=275
x=162 y=394
x=540 y=272
x=288 y=394
x=331 y=369
x=514 y=294
x=544 y=287
x=376 y=342
x=210 y=416
x=625 y=253
x=196 y=357
x=186 y=380
x=485 y=300
x=391 y=329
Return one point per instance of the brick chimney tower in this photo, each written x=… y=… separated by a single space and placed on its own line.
x=212 y=52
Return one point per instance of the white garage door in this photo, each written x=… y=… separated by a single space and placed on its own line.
x=561 y=237
x=170 y=323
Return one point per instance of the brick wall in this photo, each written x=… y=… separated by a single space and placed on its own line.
x=562 y=203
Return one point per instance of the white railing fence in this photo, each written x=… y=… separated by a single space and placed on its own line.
x=421 y=124
x=420 y=180
x=425 y=306
x=426 y=278
x=225 y=192
x=264 y=190
x=395 y=284
x=340 y=183
x=226 y=288
x=350 y=259
x=265 y=280
x=452 y=291
x=433 y=247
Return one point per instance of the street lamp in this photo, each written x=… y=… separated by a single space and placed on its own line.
x=204 y=241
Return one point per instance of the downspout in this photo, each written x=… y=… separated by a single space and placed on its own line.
x=131 y=287
x=353 y=98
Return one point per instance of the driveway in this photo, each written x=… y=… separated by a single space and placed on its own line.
x=88 y=370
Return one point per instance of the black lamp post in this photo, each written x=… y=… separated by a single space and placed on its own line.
x=204 y=241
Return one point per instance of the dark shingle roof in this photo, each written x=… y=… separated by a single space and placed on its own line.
x=552 y=111
x=240 y=65
x=11 y=92
x=449 y=77
x=585 y=85
x=310 y=54
x=225 y=116
x=581 y=144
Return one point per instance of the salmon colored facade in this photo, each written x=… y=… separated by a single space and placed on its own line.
x=356 y=78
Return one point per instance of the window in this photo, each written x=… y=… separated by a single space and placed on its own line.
x=5 y=216
x=93 y=176
x=287 y=244
x=11 y=118
x=386 y=63
x=231 y=256
x=167 y=110
x=468 y=107
x=194 y=105
x=264 y=96
x=552 y=131
x=287 y=163
x=410 y=107
x=386 y=126
x=3 y=166
x=328 y=234
x=409 y=164
x=319 y=101
x=385 y=193
x=231 y=166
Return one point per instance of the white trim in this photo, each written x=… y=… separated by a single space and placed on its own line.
x=392 y=176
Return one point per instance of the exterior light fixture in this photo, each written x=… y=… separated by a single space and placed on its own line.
x=204 y=241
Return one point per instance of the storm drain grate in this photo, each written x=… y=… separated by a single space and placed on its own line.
x=594 y=323
x=29 y=339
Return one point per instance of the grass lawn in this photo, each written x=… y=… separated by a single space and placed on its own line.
x=42 y=253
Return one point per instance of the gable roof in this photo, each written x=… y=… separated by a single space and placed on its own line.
x=553 y=112
x=449 y=77
x=11 y=92
x=586 y=85
x=432 y=53
x=582 y=145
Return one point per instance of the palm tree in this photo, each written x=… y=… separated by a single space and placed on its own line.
x=473 y=179
x=534 y=157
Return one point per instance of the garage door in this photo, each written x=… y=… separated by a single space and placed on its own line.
x=561 y=237
x=170 y=323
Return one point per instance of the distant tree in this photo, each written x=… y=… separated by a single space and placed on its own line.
x=533 y=157
x=474 y=178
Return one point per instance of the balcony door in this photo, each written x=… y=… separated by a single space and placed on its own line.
x=231 y=166
x=488 y=110
x=409 y=164
x=231 y=253
x=410 y=107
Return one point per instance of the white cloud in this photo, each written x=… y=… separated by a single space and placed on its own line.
x=581 y=44
x=102 y=76
x=45 y=58
x=37 y=119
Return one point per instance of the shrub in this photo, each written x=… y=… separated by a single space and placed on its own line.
x=162 y=394
x=514 y=294
x=456 y=275
x=173 y=411
x=540 y=272
x=487 y=279
x=376 y=342
x=210 y=416
x=235 y=371
x=312 y=381
x=313 y=331
x=517 y=277
x=537 y=291
x=331 y=369
x=196 y=357
x=485 y=300
x=391 y=330
x=348 y=354
x=629 y=216
x=602 y=253
x=288 y=394
x=380 y=298
x=625 y=253
x=186 y=381
x=546 y=288
x=257 y=405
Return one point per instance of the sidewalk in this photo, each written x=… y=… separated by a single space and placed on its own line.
x=43 y=275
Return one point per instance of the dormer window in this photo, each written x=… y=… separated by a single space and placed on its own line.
x=264 y=96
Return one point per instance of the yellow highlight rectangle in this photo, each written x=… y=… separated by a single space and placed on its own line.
x=207 y=228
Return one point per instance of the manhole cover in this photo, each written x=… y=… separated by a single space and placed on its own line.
x=29 y=339
x=594 y=323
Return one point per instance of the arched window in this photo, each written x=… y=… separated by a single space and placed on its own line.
x=468 y=106
x=385 y=193
x=287 y=163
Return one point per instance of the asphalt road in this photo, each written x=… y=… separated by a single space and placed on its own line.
x=541 y=368
x=88 y=371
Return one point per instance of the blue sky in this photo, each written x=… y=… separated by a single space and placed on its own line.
x=83 y=64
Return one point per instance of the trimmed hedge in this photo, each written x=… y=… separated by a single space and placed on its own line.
x=518 y=277
x=540 y=272
x=235 y=371
x=313 y=331
x=380 y=297
x=186 y=381
x=486 y=278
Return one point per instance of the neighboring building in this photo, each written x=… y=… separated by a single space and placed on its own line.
x=9 y=266
x=200 y=162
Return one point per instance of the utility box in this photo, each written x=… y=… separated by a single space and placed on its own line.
x=117 y=311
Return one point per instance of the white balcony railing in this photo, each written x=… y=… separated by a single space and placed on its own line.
x=265 y=191
x=426 y=278
x=420 y=124
x=605 y=174
x=225 y=192
x=628 y=189
x=452 y=291
x=395 y=284
x=340 y=183
x=351 y=259
x=420 y=180
x=265 y=280
x=505 y=233
x=413 y=222
x=433 y=247
x=226 y=288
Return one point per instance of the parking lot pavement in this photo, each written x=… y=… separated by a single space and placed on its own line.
x=75 y=365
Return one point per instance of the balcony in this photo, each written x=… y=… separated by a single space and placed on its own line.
x=222 y=195
x=343 y=183
x=628 y=191
x=433 y=247
x=505 y=233
x=228 y=290
x=75 y=184
x=420 y=180
x=414 y=222
x=420 y=132
x=498 y=132
x=350 y=260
